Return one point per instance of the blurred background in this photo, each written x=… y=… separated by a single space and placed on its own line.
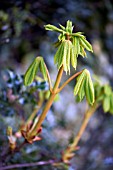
x=22 y=38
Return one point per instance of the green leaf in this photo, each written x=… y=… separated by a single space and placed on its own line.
x=73 y=57
x=31 y=72
x=89 y=89
x=111 y=103
x=66 y=58
x=86 y=44
x=81 y=92
x=62 y=27
x=106 y=104
x=82 y=52
x=79 y=82
x=78 y=34
x=76 y=45
x=84 y=86
x=61 y=37
x=43 y=69
x=107 y=89
x=50 y=27
x=62 y=56
x=69 y=27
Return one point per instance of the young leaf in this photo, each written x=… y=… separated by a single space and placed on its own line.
x=73 y=57
x=43 y=69
x=111 y=103
x=79 y=82
x=31 y=72
x=86 y=44
x=62 y=56
x=69 y=27
x=62 y=27
x=106 y=104
x=76 y=45
x=82 y=52
x=50 y=27
x=81 y=92
x=89 y=89
x=107 y=90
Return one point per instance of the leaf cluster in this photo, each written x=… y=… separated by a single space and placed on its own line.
x=104 y=95
x=84 y=86
x=70 y=45
x=31 y=72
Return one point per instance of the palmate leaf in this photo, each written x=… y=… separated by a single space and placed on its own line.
x=84 y=86
x=63 y=55
x=31 y=72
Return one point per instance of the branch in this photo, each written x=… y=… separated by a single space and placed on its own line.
x=68 y=153
x=48 y=104
x=27 y=165
x=65 y=83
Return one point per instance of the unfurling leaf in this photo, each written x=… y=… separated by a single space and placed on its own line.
x=80 y=79
x=84 y=86
x=30 y=74
x=76 y=45
x=106 y=104
x=63 y=55
x=107 y=90
x=50 y=27
x=86 y=44
x=89 y=89
x=69 y=27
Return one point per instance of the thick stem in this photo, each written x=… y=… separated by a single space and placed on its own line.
x=87 y=117
x=48 y=104
x=72 y=147
x=70 y=79
x=39 y=104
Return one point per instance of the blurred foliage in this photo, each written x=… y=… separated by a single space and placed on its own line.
x=22 y=37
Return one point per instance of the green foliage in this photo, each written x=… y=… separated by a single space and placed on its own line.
x=104 y=95
x=84 y=86
x=30 y=74
x=70 y=46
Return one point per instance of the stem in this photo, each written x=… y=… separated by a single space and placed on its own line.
x=27 y=165
x=72 y=147
x=48 y=104
x=87 y=117
x=49 y=79
x=39 y=104
x=65 y=83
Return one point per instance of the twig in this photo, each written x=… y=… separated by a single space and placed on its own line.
x=27 y=165
x=72 y=147
x=48 y=104
x=65 y=83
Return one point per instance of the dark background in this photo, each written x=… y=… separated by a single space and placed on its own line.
x=22 y=38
